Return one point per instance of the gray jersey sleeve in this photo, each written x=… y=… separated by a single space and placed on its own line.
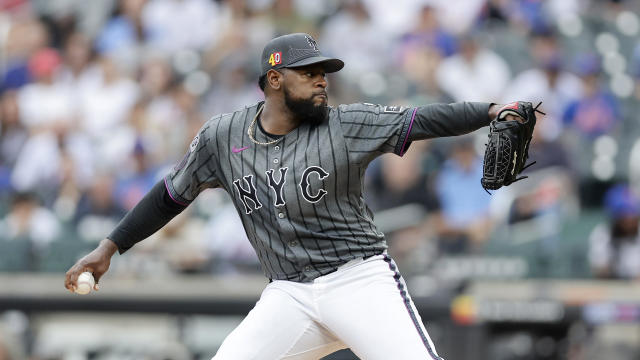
x=371 y=130
x=439 y=120
x=198 y=168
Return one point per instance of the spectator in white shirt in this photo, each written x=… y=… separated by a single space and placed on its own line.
x=27 y=219
x=359 y=41
x=45 y=104
x=547 y=81
x=476 y=73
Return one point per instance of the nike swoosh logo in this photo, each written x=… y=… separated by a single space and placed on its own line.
x=236 y=150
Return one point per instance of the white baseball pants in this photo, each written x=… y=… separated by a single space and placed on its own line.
x=364 y=305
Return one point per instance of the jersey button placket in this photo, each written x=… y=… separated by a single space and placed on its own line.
x=293 y=243
x=281 y=215
x=277 y=149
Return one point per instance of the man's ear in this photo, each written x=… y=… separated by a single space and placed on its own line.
x=274 y=79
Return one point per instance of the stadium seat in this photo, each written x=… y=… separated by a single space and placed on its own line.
x=16 y=255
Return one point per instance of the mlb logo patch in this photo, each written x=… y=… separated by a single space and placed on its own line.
x=275 y=58
x=392 y=109
x=194 y=143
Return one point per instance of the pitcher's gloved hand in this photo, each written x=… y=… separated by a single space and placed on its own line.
x=507 y=151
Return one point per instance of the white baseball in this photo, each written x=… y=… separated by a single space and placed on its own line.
x=85 y=283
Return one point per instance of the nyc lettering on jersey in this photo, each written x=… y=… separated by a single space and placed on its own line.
x=247 y=192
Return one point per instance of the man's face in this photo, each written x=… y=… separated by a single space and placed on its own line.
x=305 y=93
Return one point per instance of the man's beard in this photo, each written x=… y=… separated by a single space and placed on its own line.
x=305 y=109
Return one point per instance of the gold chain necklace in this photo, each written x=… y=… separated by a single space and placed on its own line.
x=250 y=130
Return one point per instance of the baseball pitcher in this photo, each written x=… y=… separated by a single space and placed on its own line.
x=294 y=168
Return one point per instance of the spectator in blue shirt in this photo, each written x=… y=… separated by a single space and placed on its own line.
x=465 y=222
x=597 y=112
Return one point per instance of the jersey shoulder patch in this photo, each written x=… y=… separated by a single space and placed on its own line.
x=392 y=109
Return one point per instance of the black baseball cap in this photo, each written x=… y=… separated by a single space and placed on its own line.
x=296 y=50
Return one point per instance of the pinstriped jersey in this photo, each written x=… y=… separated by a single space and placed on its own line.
x=300 y=198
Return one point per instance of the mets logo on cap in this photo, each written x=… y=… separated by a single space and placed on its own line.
x=312 y=43
x=275 y=58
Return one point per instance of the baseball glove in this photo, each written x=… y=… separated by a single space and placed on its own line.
x=507 y=151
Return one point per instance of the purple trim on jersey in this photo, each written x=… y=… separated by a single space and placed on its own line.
x=407 y=305
x=171 y=195
x=413 y=116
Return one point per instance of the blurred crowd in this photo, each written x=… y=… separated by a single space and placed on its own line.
x=99 y=99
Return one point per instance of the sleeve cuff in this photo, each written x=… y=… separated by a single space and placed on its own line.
x=483 y=109
x=121 y=249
